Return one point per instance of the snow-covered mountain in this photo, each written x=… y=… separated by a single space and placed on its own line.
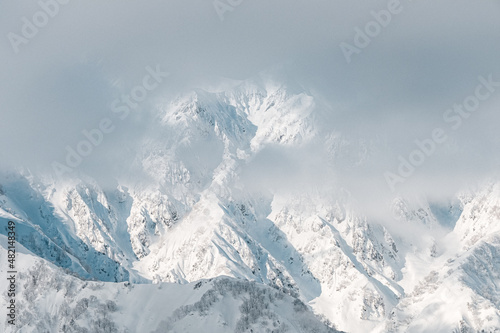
x=49 y=300
x=197 y=240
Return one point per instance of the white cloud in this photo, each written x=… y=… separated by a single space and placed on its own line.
x=63 y=80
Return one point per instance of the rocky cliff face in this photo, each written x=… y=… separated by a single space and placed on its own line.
x=194 y=215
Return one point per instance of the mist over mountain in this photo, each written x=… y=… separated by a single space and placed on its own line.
x=250 y=166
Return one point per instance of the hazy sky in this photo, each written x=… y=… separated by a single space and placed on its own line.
x=393 y=91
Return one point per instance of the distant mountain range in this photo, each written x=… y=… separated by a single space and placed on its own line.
x=197 y=244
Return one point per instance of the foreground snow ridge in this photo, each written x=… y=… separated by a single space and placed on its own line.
x=52 y=301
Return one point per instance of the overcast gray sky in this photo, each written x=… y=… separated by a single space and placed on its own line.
x=394 y=91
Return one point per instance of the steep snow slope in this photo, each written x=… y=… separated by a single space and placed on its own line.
x=196 y=216
x=84 y=247
x=460 y=287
